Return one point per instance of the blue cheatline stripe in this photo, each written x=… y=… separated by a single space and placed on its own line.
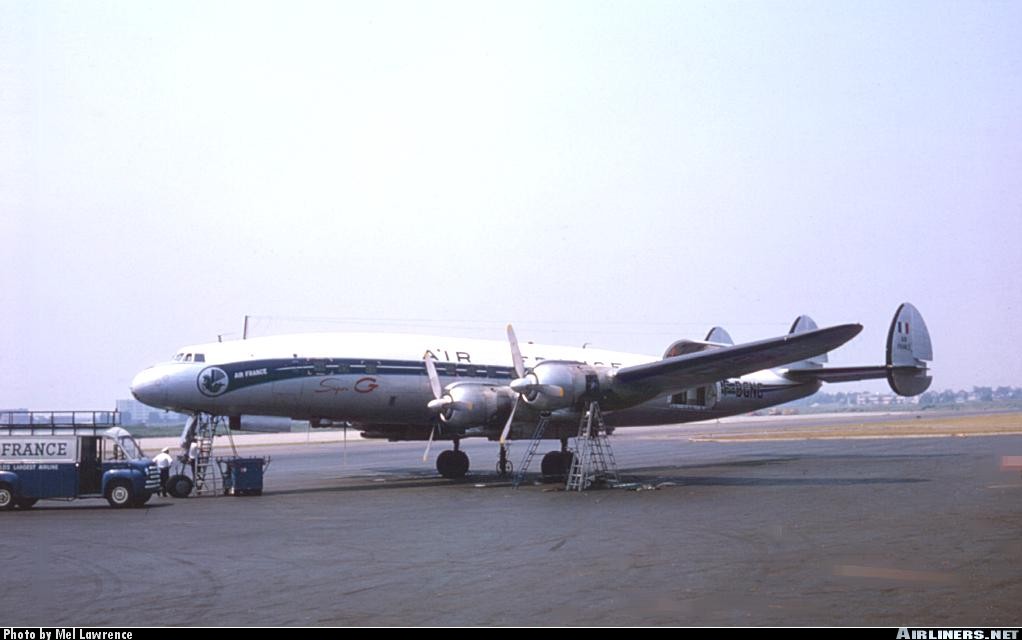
x=249 y=373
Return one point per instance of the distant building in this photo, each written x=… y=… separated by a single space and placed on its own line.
x=14 y=416
x=134 y=412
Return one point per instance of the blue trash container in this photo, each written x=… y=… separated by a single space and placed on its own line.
x=243 y=476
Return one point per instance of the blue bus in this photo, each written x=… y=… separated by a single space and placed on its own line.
x=72 y=455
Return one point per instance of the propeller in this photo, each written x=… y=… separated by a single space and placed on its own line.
x=528 y=384
x=525 y=384
x=441 y=402
x=437 y=404
x=519 y=365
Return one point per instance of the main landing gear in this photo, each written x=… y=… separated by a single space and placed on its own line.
x=452 y=463
x=556 y=464
x=504 y=466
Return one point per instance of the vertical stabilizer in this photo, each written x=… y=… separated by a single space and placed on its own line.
x=908 y=351
x=801 y=325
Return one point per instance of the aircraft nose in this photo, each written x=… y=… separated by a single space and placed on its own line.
x=148 y=387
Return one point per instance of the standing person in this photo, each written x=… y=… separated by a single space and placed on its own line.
x=163 y=462
x=193 y=455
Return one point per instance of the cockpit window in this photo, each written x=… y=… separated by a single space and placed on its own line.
x=178 y=357
x=200 y=357
x=188 y=358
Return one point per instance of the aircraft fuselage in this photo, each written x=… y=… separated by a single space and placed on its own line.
x=379 y=383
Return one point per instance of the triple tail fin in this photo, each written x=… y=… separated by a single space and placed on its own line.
x=909 y=350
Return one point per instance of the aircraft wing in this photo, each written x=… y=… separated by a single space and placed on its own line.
x=703 y=367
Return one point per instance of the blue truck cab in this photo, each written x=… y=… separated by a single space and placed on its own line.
x=55 y=460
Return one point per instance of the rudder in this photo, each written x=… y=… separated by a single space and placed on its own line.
x=908 y=350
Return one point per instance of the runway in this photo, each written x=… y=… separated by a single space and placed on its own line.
x=919 y=531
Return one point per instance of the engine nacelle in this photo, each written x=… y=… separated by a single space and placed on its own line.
x=476 y=404
x=559 y=384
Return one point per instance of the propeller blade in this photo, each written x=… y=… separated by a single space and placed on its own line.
x=516 y=353
x=434 y=379
x=510 y=419
x=438 y=405
x=429 y=443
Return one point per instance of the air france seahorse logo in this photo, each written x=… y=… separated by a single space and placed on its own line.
x=212 y=381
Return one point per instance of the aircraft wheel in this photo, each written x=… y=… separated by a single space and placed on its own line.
x=556 y=464
x=179 y=486
x=452 y=464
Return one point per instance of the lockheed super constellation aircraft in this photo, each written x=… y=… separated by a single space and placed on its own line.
x=411 y=387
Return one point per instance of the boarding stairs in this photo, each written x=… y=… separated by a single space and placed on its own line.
x=208 y=478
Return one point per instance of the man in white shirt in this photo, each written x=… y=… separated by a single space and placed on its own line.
x=193 y=454
x=163 y=461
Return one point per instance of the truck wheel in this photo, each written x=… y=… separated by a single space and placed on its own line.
x=118 y=494
x=141 y=499
x=26 y=503
x=179 y=486
x=6 y=498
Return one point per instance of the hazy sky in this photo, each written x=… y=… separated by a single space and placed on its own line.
x=621 y=173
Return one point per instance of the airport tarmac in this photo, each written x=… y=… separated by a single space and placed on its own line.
x=914 y=531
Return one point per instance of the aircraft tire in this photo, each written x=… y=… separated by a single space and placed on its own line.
x=179 y=486
x=556 y=464
x=452 y=464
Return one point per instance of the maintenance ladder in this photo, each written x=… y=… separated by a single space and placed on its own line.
x=593 y=461
x=530 y=453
